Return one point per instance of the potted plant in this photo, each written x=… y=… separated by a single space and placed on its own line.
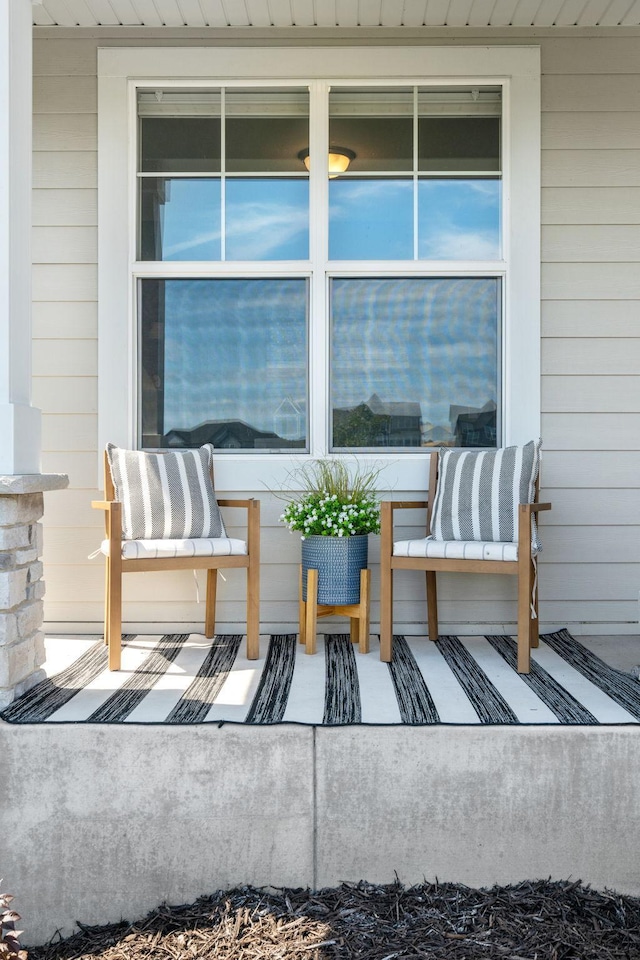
x=335 y=512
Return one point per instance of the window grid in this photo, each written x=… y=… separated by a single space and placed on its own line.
x=319 y=268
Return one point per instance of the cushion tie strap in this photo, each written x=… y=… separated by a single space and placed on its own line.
x=534 y=614
x=195 y=577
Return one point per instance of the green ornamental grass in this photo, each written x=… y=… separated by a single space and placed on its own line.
x=335 y=501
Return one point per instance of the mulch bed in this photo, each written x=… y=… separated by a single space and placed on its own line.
x=539 y=920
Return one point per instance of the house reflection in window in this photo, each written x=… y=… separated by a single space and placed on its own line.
x=378 y=423
x=475 y=428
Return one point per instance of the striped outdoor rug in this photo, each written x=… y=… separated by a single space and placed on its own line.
x=182 y=678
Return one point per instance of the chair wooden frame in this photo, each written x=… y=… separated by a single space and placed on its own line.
x=115 y=566
x=523 y=568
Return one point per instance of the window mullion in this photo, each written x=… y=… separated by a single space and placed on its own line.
x=415 y=173
x=319 y=245
x=223 y=179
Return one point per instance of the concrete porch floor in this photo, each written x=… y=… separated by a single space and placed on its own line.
x=102 y=822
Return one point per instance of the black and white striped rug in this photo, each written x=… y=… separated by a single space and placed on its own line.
x=183 y=678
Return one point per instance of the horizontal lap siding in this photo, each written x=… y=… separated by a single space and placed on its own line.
x=65 y=328
x=590 y=569
x=591 y=329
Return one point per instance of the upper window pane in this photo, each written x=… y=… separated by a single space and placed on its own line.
x=261 y=144
x=376 y=125
x=267 y=219
x=370 y=219
x=459 y=144
x=180 y=218
x=180 y=144
x=459 y=219
x=265 y=130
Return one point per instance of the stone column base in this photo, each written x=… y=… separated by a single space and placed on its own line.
x=21 y=585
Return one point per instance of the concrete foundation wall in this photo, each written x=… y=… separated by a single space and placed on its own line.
x=103 y=822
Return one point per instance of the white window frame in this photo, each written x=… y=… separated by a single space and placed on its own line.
x=122 y=70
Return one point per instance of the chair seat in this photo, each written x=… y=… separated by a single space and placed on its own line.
x=156 y=549
x=429 y=547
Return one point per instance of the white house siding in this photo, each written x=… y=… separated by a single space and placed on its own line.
x=590 y=572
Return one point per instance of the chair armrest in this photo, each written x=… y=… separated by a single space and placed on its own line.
x=526 y=511
x=112 y=522
x=529 y=508
x=252 y=507
x=404 y=504
x=387 y=510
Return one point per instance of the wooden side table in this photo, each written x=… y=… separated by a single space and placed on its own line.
x=311 y=610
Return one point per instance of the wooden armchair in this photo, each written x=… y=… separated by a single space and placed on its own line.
x=513 y=555
x=136 y=485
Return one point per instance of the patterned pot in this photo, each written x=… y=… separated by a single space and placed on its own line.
x=338 y=561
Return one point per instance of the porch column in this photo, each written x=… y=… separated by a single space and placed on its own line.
x=19 y=421
x=21 y=482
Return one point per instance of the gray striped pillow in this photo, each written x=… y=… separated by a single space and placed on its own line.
x=479 y=491
x=165 y=496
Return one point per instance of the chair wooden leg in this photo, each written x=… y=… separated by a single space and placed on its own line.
x=106 y=601
x=114 y=606
x=386 y=611
x=535 y=621
x=432 y=605
x=386 y=581
x=312 y=611
x=253 y=611
x=363 y=620
x=210 y=604
x=525 y=585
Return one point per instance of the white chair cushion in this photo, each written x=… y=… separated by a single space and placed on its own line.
x=456 y=549
x=156 y=549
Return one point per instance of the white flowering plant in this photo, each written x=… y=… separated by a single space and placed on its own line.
x=335 y=503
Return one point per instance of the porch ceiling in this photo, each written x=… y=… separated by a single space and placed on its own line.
x=337 y=13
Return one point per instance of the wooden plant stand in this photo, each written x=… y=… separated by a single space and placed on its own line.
x=311 y=610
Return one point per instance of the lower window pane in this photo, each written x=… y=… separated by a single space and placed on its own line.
x=180 y=219
x=415 y=362
x=223 y=362
x=370 y=219
x=459 y=219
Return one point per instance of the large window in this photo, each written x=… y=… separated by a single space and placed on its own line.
x=295 y=263
x=413 y=175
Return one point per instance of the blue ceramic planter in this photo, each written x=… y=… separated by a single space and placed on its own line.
x=338 y=561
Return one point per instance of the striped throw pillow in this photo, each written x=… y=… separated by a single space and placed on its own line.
x=478 y=493
x=165 y=495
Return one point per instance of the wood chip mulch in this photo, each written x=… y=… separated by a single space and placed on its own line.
x=541 y=920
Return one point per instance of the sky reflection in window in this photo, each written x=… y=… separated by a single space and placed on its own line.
x=459 y=219
x=370 y=219
x=414 y=361
x=180 y=219
x=267 y=219
x=234 y=360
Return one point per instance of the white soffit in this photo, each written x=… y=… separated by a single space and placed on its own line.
x=337 y=13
